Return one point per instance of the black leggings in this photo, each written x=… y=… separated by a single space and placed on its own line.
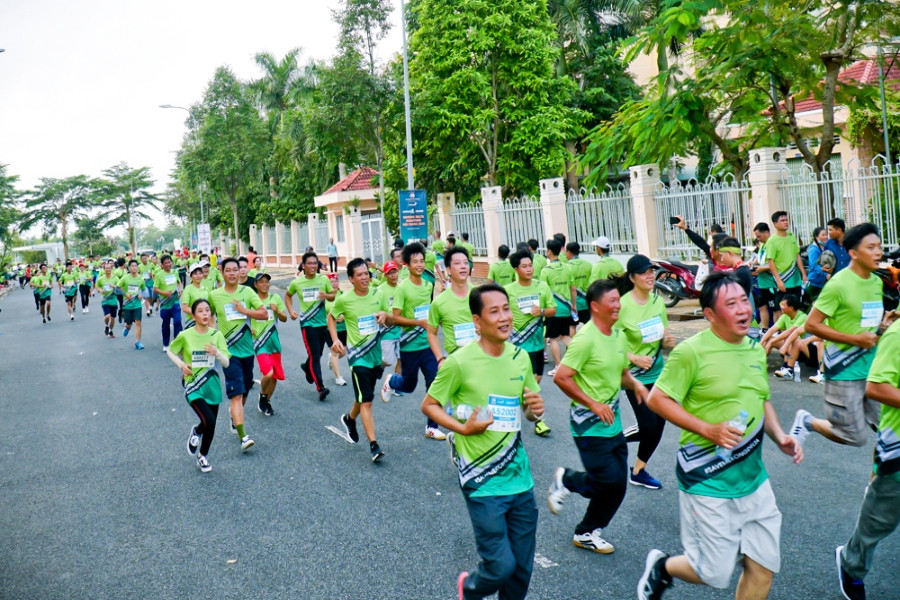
x=85 y=291
x=314 y=342
x=333 y=264
x=207 y=427
x=650 y=426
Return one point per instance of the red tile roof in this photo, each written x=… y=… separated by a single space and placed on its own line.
x=360 y=179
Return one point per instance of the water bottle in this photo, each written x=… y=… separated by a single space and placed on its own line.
x=464 y=411
x=797 y=372
x=739 y=422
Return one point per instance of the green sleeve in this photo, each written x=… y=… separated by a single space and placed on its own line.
x=578 y=353
x=678 y=374
x=337 y=309
x=399 y=298
x=447 y=382
x=886 y=366
x=292 y=289
x=177 y=345
x=547 y=300
x=782 y=323
x=829 y=299
x=252 y=300
x=221 y=344
x=434 y=318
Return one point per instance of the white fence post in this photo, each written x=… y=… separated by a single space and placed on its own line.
x=279 y=235
x=265 y=244
x=313 y=223
x=644 y=179
x=446 y=203
x=553 y=203
x=492 y=203
x=295 y=229
x=766 y=165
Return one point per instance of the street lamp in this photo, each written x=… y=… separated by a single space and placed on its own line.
x=894 y=42
x=201 y=189
x=409 y=158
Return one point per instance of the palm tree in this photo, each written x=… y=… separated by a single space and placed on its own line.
x=57 y=202
x=124 y=193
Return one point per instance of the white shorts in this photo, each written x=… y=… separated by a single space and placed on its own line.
x=390 y=351
x=717 y=532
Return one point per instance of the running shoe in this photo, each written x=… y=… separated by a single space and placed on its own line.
x=138 y=346
x=398 y=394
x=460 y=583
x=45 y=320
x=451 y=441
x=165 y=349
x=305 y=367
x=552 y=372
x=71 y=317
x=340 y=380
x=323 y=393
x=111 y=334
x=124 y=332
x=233 y=428
x=653 y=582
x=246 y=443
x=558 y=492
x=818 y=378
x=86 y=310
x=350 y=428
x=541 y=428
x=435 y=434
x=645 y=479
x=269 y=411
x=784 y=373
x=48 y=318
x=593 y=542
x=193 y=441
x=546 y=359
x=386 y=390
x=377 y=452
x=799 y=429
x=851 y=589
x=204 y=465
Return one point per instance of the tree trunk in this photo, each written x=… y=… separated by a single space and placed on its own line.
x=131 y=235
x=234 y=213
x=65 y=238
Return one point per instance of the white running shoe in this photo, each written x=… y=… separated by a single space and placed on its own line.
x=799 y=429
x=246 y=443
x=204 y=465
x=592 y=541
x=558 y=492
x=340 y=380
x=435 y=434
x=818 y=378
x=552 y=372
x=165 y=349
x=784 y=373
x=386 y=390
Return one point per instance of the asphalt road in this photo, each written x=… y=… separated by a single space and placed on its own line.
x=100 y=499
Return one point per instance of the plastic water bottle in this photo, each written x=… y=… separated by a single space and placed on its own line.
x=739 y=422
x=464 y=411
x=797 y=372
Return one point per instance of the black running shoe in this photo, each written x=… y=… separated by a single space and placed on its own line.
x=653 y=583
x=350 y=428
x=851 y=589
x=268 y=410
x=377 y=452
x=193 y=442
x=323 y=393
x=305 y=367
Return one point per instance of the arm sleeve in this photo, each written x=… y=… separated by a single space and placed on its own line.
x=698 y=241
x=577 y=353
x=677 y=376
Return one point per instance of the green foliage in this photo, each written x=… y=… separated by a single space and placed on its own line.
x=56 y=203
x=124 y=193
x=865 y=125
x=9 y=213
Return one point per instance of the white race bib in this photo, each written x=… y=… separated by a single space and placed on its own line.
x=464 y=333
x=232 y=314
x=171 y=279
x=146 y=274
x=367 y=325
x=421 y=312
x=871 y=314
x=200 y=359
x=527 y=302
x=133 y=290
x=507 y=416
x=651 y=330
x=310 y=294
x=271 y=312
x=107 y=287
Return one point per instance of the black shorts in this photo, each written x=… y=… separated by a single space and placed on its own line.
x=130 y=315
x=364 y=381
x=537 y=362
x=44 y=300
x=813 y=360
x=342 y=338
x=70 y=299
x=767 y=298
x=238 y=376
x=558 y=326
x=110 y=309
x=584 y=315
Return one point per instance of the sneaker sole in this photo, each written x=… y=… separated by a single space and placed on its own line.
x=652 y=557
x=247 y=447
x=592 y=549
x=554 y=511
x=377 y=458
x=347 y=431
x=646 y=485
x=386 y=397
x=837 y=560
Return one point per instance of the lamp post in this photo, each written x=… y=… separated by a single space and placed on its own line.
x=201 y=189
x=409 y=157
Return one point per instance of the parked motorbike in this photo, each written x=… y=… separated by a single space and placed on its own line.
x=889 y=276
x=675 y=281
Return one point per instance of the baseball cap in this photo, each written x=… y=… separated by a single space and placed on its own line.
x=261 y=275
x=602 y=242
x=390 y=266
x=195 y=267
x=638 y=264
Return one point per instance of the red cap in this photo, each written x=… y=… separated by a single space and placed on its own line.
x=390 y=266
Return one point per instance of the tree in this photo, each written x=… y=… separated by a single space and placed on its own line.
x=9 y=214
x=56 y=203
x=125 y=195
x=90 y=233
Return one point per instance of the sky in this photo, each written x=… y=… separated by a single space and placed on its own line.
x=81 y=82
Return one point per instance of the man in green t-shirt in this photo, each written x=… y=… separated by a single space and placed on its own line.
x=267 y=344
x=791 y=319
x=559 y=278
x=607 y=267
x=765 y=282
x=43 y=283
x=538 y=260
x=581 y=277
x=365 y=312
x=488 y=386
x=501 y=272
x=192 y=292
x=592 y=373
x=783 y=256
x=728 y=510
x=464 y=242
x=131 y=284
x=312 y=290
x=147 y=271
x=390 y=336
x=450 y=310
x=166 y=284
x=106 y=286
x=880 y=511
x=234 y=305
x=848 y=315
x=68 y=285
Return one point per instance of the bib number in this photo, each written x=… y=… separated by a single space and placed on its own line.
x=464 y=333
x=133 y=290
x=507 y=415
x=367 y=325
x=170 y=279
x=232 y=314
x=651 y=330
x=271 y=314
x=310 y=294
x=200 y=359
x=871 y=314
x=527 y=302
x=421 y=312
x=107 y=287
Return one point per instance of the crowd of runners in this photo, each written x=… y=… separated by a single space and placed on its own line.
x=482 y=350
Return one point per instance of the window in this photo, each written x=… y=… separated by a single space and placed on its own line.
x=339 y=227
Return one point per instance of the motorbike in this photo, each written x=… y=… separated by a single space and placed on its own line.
x=890 y=276
x=675 y=281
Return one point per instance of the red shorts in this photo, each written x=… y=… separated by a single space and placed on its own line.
x=271 y=363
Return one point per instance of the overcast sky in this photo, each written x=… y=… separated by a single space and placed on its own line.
x=81 y=82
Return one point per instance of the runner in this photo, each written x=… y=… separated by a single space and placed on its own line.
x=531 y=302
x=835 y=243
x=594 y=369
x=538 y=260
x=68 y=285
x=728 y=510
x=559 y=278
x=785 y=264
x=848 y=316
x=267 y=344
x=880 y=511
x=119 y=271
x=244 y=274
x=644 y=322
x=390 y=336
x=44 y=284
x=312 y=290
x=493 y=467
x=581 y=277
x=131 y=285
x=166 y=286
x=147 y=271
x=193 y=292
x=234 y=305
x=765 y=282
x=85 y=283
x=450 y=310
x=501 y=272
x=411 y=307
x=334 y=360
x=199 y=348
x=106 y=285
x=607 y=266
x=364 y=311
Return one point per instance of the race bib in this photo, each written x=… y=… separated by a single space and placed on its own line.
x=651 y=330
x=171 y=279
x=527 y=302
x=367 y=325
x=507 y=416
x=464 y=333
x=310 y=294
x=146 y=274
x=271 y=314
x=107 y=287
x=200 y=359
x=421 y=312
x=391 y=302
x=871 y=314
x=133 y=290
x=46 y=284
x=232 y=314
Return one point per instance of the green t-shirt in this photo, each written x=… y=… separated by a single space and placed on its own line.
x=85 y=277
x=765 y=280
x=167 y=282
x=235 y=326
x=717 y=390
x=147 y=272
x=340 y=324
x=208 y=284
x=605 y=268
x=107 y=287
x=559 y=277
x=502 y=273
x=363 y=339
x=190 y=295
x=311 y=309
x=528 y=330
x=413 y=301
x=644 y=326
x=784 y=322
x=69 y=283
x=215 y=276
x=886 y=369
x=265 y=333
x=438 y=246
x=852 y=305
x=392 y=332
x=493 y=463
x=203 y=382
x=539 y=261
x=430 y=261
x=581 y=277
x=598 y=361
x=469 y=248
x=131 y=286
x=43 y=283
x=451 y=313
x=784 y=250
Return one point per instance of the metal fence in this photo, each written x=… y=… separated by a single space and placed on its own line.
x=271 y=245
x=321 y=232
x=724 y=202
x=608 y=213
x=302 y=238
x=523 y=219
x=285 y=239
x=856 y=195
x=469 y=218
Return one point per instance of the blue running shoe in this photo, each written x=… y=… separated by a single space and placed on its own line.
x=645 y=479
x=138 y=346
